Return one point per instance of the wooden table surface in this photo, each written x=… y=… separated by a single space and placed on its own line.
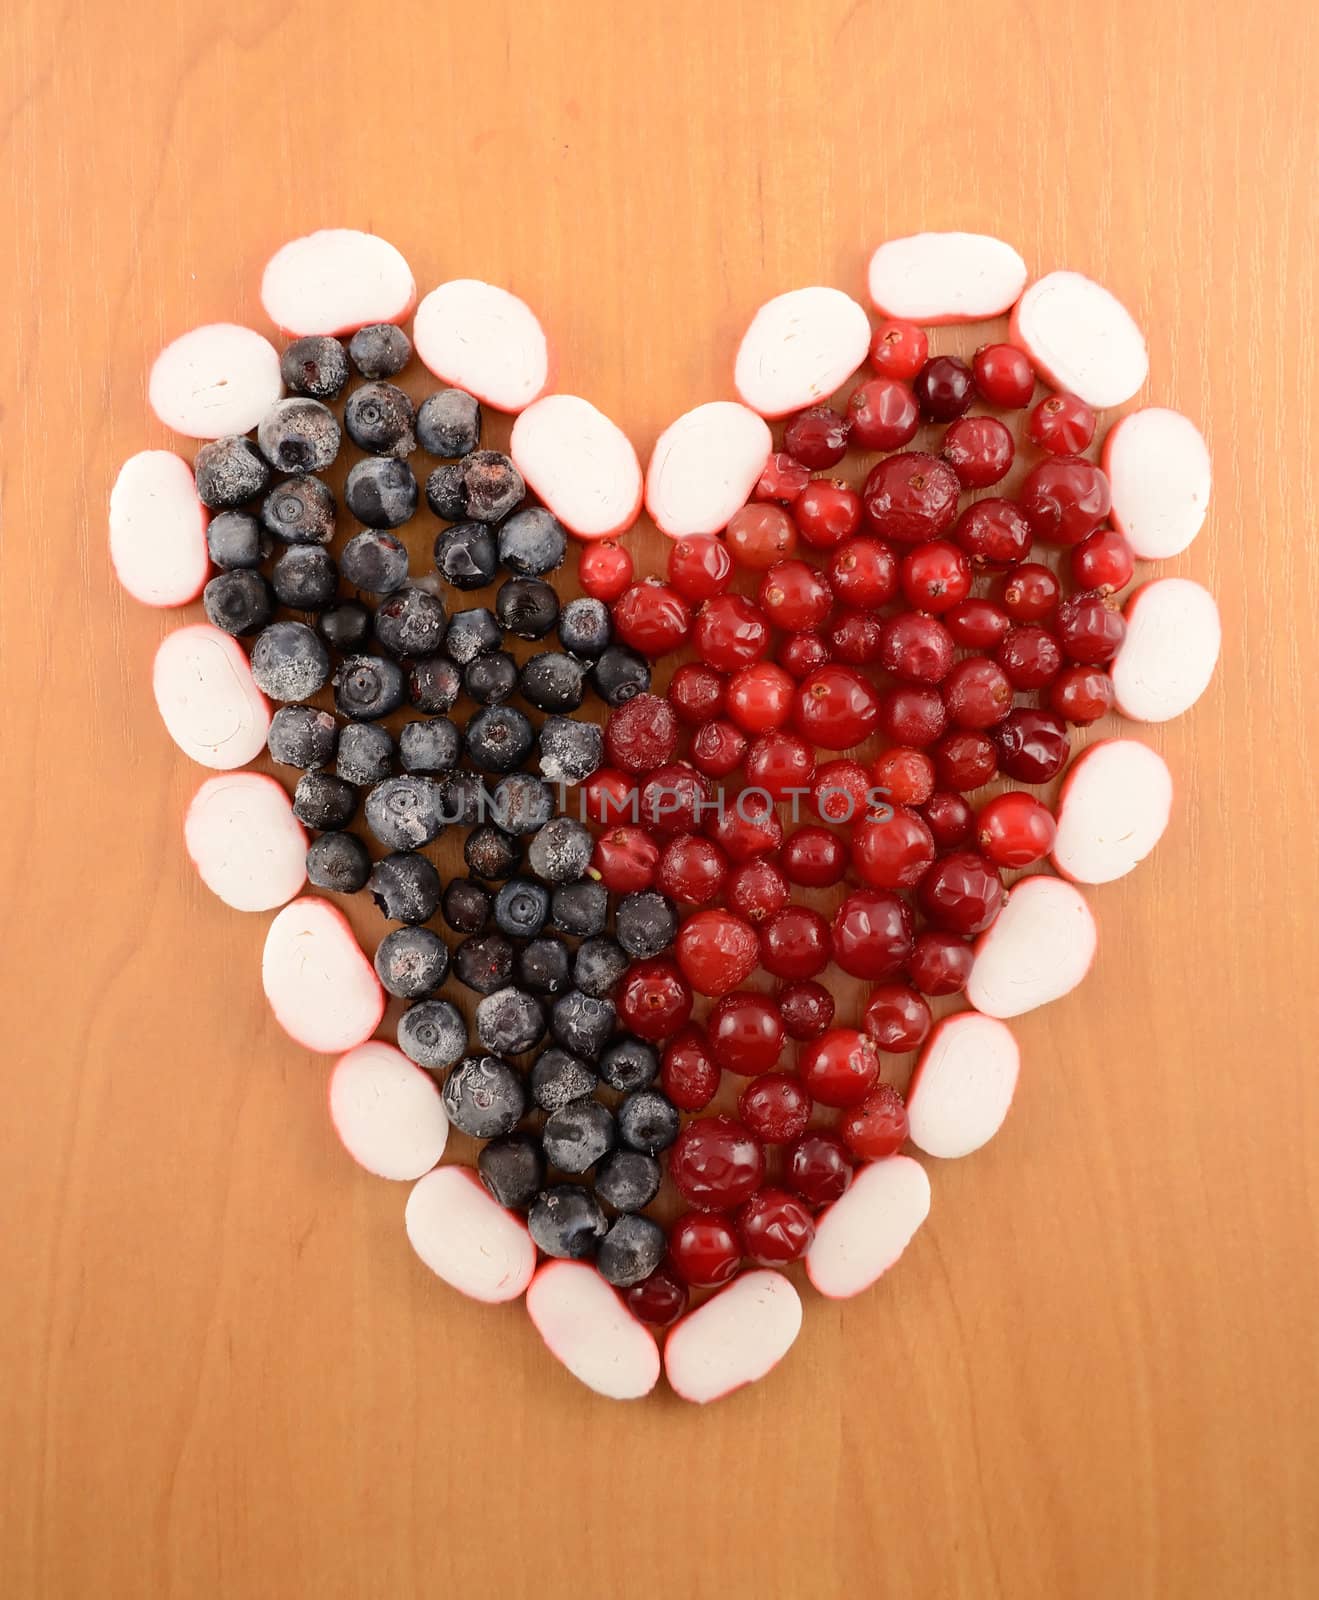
x=223 y=1372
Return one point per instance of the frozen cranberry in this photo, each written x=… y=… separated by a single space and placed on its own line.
x=653 y=999
x=781 y=764
x=836 y=708
x=839 y=1068
x=1014 y=830
x=776 y=1228
x=935 y=576
x=905 y=776
x=872 y=935
x=896 y=1017
x=916 y=647
x=1103 y=561
x=965 y=759
x=673 y=799
x=864 y=573
x=817 y=437
x=898 y=349
x=961 y=893
x=760 y=697
x=604 y=571
x=892 y=852
x=1062 y=424
x=610 y=796
x=878 y=1126
x=782 y=480
x=652 y=618
x=884 y=414
x=1029 y=656
x=1030 y=593
x=1090 y=628
x=700 y=568
x=944 y=388
x=759 y=535
x=691 y=870
x=718 y=748
x=689 y=1074
x=626 y=859
x=807 y=1009
x=705 y=1251
x=745 y=1033
x=794 y=943
x=819 y=1168
x=940 y=963
x=910 y=497
x=793 y=595
x=746 y=826
x=977 y=624
x=716 y=951
x=827 y=513
x=730 y=632
x=716 y=1163
x=949 y=818
x=775 y=1107
x=696 y=692
x=840 y=791
x=977 y=693
x=757 y=889
x=802 y=654
x=854 y=637
x=1065 y=498
x=1033 y=746
x=1004 y=375
x=1081 y=695
x=979 y=450
x=642 y=734
x=659 y=1299
x=814 y=858
x=993 y=533
x=912 y=714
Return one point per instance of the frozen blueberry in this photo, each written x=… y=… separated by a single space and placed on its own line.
x=532 y=542
x=620 y=674
x=230 y=472
x=411 y=962
x=581 y=1024
x=289 y=662
x=484 y=963
x=466 y=555
x=345 y=627
x=375 y=561
x=484 y=1097
x=558 y=1078
x=566 y=1222
x=405 y=887
x=381 y=492
x=240 y=602
x=512 y=1168
x=380 y=350
x=553 y=681
x=647 y=1121
x=491 y=853
x=580 y=909
x=466 y=905
x=449 y=424
x=316 y=366
x=577 y=1135
x=366 y=753
x=303 y=737
x=629 y=1064
x=510 y=1021
x=585 y=628
x=630 y=1251
x=599 y=964
x=433 y=1034
x=339 y=862
x=492 y=486
x=561 y=851
x=526 y=608
x=544 y=965
x=411 y=623
x=470 y=634
x=627 y=1180
x=490 y=679
x=521 y=804
x=234 y=539
x=433 y=684
x=521 y=907
x=498 y=739
x=305 y=578
x=300 y=511
x=367 y=687
x=429 y=745
x=645 y=924
x=466 y=801
x=299 y=435
x=404 y=813
x=322 y=800
x=379 y=418
x=570 y=751
x=445 y=492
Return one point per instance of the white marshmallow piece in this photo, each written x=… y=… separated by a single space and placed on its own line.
x=485 y=340
x=1081 y=339
x=466 y=1238
x=580 y=464
x=336 y=281
x=587 y=1327
x=1038 y=949
x=935 y=278
x=963 y=1085
x=216 y=380
x=387 y=1112
x=860 y=1236
x=208 y=699
x=246 y=844
x=158 y=530
x=1112 y=810
x=1160 y=475
x=736 y=1338
x=1169 y=651
x=322 y=989
x=704 y=467
x=800 y=347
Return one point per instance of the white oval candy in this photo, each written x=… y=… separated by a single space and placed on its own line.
x=1169 y=652
x=214 y=381
x=465 y=1238
x=585 y=1324
x=246 y=844
x=387 y=1112
x=581 y=465
x=1038 y=949
x=1081 y=339
x=336 y=281
x=158 y=529
x=1112 y=809
x=799 y=348
x=735 y=1338
x=1160 y=475
x=704 y=467
x=207 y=697
x=861 y=1235
x=322 y=989
x=485 y=340
x=962 y=1086
x=933 y=278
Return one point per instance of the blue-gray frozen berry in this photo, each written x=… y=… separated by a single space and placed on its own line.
x=645 y=924
x=553 y=681
x=647 y=1121
x=303 y=737
x=544 y=965
x=484 y=1097
x=379 y=418
x=526 y=607
x=366 y=753
x=374 y=561
x=470 y=634
x=339 y=862
x=499 y=738
x=299 y=435
x=316 y=366
x=465 y=800
x=585 y=628
x=532 y=542
x=510 y=1021
x=627 y=1180
x=380 y=350
x=446 y=494
x=521 y=908
x=561 y=851
x=449 y=424
x=345 y=627
x=582 y=1024
x=240 y=602
x=411 y=962
x=322 y=800
x=512 y=1168
x=429 y=745
x=558 y=1078
x=567 y=1222
x=630 y=1251
x=491 y=853
x=433 y=1034
x=484 y=963
x=599 y=964
x=289 y=662
x=619 y=675
x=492 y=486
x=466 y=555
x=381 y=492
x=490 y=679
x=404 y=813
x=367 y=687
x=629 y=1064
x=405 y=887
x=434 y=684
x=305 y=578
x=235 y=539
x=466 y=905
x=580 y=910
x=300 y=511
x=577 y=1135
x=230 y=472
x=570 y=751
x=411 y=623
x=521 y=803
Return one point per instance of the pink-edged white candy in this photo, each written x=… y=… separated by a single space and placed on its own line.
x=481 y=338
x=1169 y=651
x=216 y=380
x=336 y=281
x=158 y=529
x=1112 y=809
x=1160 y=475
x=207 y=697
x=322 y=989
x=933 y=278
x=1038 y=949
x=1081 y=339
x=467 y=1239
x=704 y=467
x=246 y=844
x=735 y=1338
x=800 y=347
x=580 y=463
x=860 y=1236
x=962 y=1086
x=387 y=1112
x=585 y=1324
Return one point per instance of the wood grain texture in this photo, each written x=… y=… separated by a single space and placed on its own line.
x=222 y=1372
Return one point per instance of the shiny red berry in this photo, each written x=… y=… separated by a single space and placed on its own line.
x=1004 y=376
x=1014 y=830
x=1030 y=593
x=674 y=798
x=916 y=648
x=878 y=1126
x=745 y=1033
x=689 y=1074
x=977 y=693
x=1062 y=424
x=1033 y=746
x=691 y=870
x=610 y=796
x=653 y=999
x=977 y=624
x=780 y=764
x=696 y=692
x=641 y=734
x=896 y=1018
x=813 y=857
x=716 y=951
x=1103 y=561
x=944 y=388
x=840 y=1068
x=941 y=963
x=730 y=632
x=854 y=637
x=652 y=618
x=759 y=535
x=794 y=943
x=659 y=1299
x=992 y=533
x=604 y=571
x=836 y=708
x=1090 y=628
x=979 y=450
x=840 y=791
x=892 y=852
x=760 y=697
x=964 y=759
x=775 y=1107
x=626 y=859
x=1030 y=656
x=1081 y=695
x=864 y=573
x=807 y=1009
x=817 y=437
x=912 y=714
x=906 y=777
x=819 y=1168
x=884 y=414
x=872 y=934
x=950 y=819
x=782 y=480
x=718 y=748
x=898 y=349
x=827 y=513
x=776 y=1228
x=745 y=826
x=910 y=497
x=961 y=893
x=716 y=1163
x=757 y=889
x=1065 y=498
x=700 y=568
x=935 y=576
x=704 y=1251
x=793 y=595
x=801 y=654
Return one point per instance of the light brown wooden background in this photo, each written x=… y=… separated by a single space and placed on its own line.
x=223 y=1373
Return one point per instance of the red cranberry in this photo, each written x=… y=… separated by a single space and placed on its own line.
x=977 y=693
x=912 y=714
x=836 y=708
x=840 y=791
x=964 y=760
x=1065 y=498
x=892 y=852
x=898 y=349
x=730 y=632
x=949 y=818
x=745 y=1033
x=979 y=450
x=814 y=858
x=776 y=1228
x=977 y=624
x=878 y=1126
x=718 y=748
x=775 y=1107
x=759 y=535
x=944 y=388
x=756 y=890
x=1062 y=424
x=802 y=654
x=840 y=1068
x=807 y=1009
x=1029 y=656
x=760 y=697
x=961 y=893
x=610 y=796
x=827 y=513
x=716 y=951
x=653 y=999
x=817 y=437
x=915 y=647
x=642 y=734
x=700 y=568
x=692 y=870
x=872 y=935
x=604 y=571
x=795 y=943
x=696 y=692
x=746 y=827
x=1004 y=376
x=689 y=1074
x=854 y=637
x=910 y=497
x=819 y=1168
x=1033 y=746
x=782 y=480
x=935 y=576
x=904 y=776
x=1103 y=561
x=780 y=764
x=659 y=1299
x=704 y=1251
x=652 y=618
x=793 y=595
x=993 y=533
x=1030 y=593
x=884 y=414
x=941 y=963
x=1081 y=695
x=673 y=799
x=626 y=859
x=896 y=1017
x=864 y=573
x=1014 y=830
x=716 y=1163
x=1090 y=628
